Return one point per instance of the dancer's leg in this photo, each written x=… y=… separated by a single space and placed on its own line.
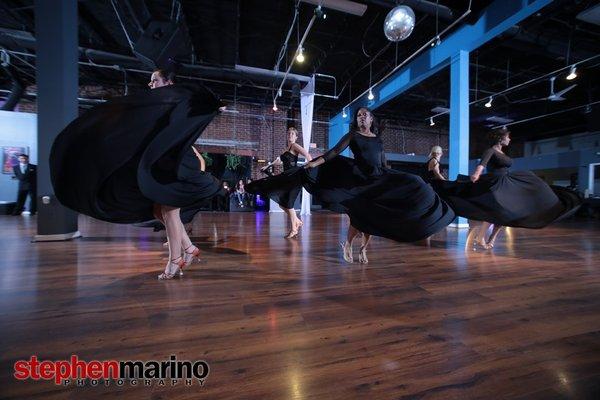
x=480 y=238
x=495 y=231
x=347 y=245
x=294 y=222
x=362 y=256
x=175 y=230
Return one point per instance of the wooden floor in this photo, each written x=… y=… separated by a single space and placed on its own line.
x=287 y=319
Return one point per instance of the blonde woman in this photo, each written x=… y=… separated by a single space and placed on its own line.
x=433 y=164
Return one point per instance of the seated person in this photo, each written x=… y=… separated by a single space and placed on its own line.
x=240 y=194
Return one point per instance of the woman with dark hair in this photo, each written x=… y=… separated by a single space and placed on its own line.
x=503 y=198
x=130 y=159
x=379 y=201
x=287 y=198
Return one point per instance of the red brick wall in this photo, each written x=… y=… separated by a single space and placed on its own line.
x=255 y=123
x=252 y=123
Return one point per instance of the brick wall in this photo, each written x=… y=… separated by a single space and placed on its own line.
x=263 y=126
x=417 y=140
x=267 y=128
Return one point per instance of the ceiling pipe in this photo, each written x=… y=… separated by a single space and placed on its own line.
x=17 y=89
x=427 y=7
x=544 y=44
x=240 y=73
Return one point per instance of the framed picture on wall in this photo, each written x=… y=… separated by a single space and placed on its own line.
x=10 y=157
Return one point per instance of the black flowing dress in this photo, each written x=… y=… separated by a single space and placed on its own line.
x=120 y=158
x=379 y=201
x=288 y=198
x=517 y=199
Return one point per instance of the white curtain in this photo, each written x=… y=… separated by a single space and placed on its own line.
x=307 y=102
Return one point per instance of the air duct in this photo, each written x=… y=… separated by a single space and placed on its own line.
x=17 y=89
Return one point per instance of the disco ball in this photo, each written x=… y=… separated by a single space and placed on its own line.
x=399 y=23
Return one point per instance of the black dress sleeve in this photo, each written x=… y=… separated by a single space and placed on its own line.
x=338 y=148
x=486 y=157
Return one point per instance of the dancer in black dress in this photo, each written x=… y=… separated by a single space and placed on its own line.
x=287 y=198
x=130 y=158
x=378 y=200
x=503 y=198
x=178 y=240
x=433 y=165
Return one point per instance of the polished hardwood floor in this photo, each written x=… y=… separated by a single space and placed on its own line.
x=288 y=319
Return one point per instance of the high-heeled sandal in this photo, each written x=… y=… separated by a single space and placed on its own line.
x=176 y=267
x=190 y=257
x=293 y=233
x=483 y=245
x=347 y=254
x=362 y=255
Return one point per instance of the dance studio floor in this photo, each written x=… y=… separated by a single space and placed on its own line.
x=287 y=319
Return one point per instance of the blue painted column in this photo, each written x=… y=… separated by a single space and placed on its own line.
x=459 y=120
x=57 y=86
x=338 y=127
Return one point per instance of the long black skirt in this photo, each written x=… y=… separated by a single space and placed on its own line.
x=392 y=204
x=120 y=158
x=517 y=199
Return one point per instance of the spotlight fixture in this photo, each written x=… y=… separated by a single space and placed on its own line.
x=300 y=55
x=371 y=96
x=489 y=103
x=274 y=105
x=320 y=13
x=572 y=73
x=344 y=115
x=431 y=123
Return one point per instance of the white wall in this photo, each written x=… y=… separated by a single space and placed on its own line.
x=16 y=129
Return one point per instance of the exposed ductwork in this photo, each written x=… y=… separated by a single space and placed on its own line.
x=17 y=89
x=346 y=6
x=545 y=44
x=427 y=7
x=239 y=74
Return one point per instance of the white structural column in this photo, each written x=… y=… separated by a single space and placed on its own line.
x=307 y=103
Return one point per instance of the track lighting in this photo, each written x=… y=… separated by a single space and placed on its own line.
x=431 y=122
x=489 y=103
x=344 y=115
x=275 y=105
x=320 y=13
x=572 y=73
x=371 y=96
x=300 y=55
